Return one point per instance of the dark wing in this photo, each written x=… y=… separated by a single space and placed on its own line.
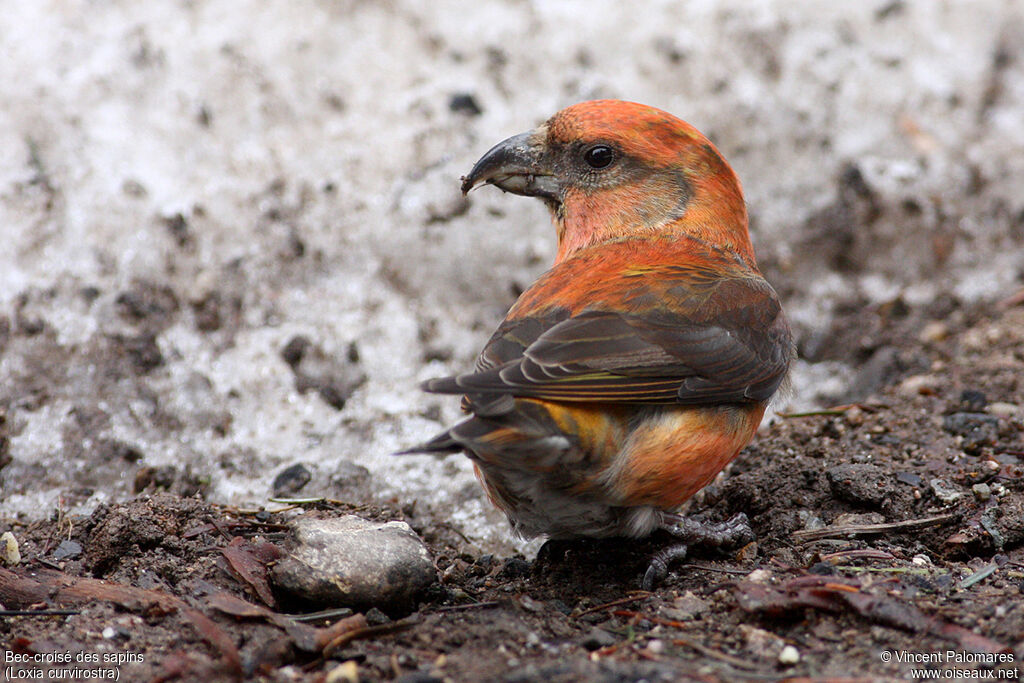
x=703 y=340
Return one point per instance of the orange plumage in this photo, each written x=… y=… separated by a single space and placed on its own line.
x=635 y=369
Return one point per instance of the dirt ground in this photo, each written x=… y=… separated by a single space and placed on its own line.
x=889 y=526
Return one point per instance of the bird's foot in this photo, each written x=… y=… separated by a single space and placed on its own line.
x=735 y=531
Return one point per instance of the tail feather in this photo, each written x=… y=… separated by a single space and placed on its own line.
x=442 y=444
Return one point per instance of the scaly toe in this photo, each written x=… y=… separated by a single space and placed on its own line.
x=657 y=570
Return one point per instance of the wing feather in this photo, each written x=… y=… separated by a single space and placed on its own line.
x=711 y=335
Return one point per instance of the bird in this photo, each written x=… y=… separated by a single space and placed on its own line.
x=639 y=365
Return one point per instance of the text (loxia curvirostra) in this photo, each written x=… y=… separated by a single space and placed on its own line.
x=637 y=367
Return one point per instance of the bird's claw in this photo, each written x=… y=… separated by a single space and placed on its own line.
x=658 y=567
x=733 y=532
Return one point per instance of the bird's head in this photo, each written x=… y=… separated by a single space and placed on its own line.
x=609 y=169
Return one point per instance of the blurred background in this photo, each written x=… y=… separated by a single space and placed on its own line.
x=234 y=242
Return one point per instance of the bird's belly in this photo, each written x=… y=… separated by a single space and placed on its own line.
x=673 y=454
x=536 y=508
x=625 y=468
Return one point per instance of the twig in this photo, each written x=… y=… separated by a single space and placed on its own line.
x=919 y=571
x=38 y=612
x=843 y=531
x=1013 y=299
x=837 y=410
x=615 y=603
x=672 y=623
x=814 y=413
x=472 y=605
x=367 y=632
x=861 y=554
x=715 y=654
x=710 y=568
x=979 y=575
x=321 y=615
x=295 y=502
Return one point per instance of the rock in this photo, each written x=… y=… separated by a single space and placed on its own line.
x=759 y=576
x=858 y=519
x=810 y=520
x=514 y=568
x=531 y=605
x=910 y=478
x=789 y=656
x=374 y=617
x=349 y=480
x=977 y=429
x=859 y=483
x=346 y=672
x=972 y=400
x=67 y=550
x=925 y=385
x=762 y=643
x=418 y=677
x=291 y=479
x=822 y=569
x=982 y=492
x=596 y=639
x=1003 y=409
x=876 y=372
x=9 y=552
x=352 y=562
x=933 y=332
x=686 y=607
x=464 y=103
x=945 y=491
x=335 y=379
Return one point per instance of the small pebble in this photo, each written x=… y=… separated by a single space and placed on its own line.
x=761 y=643
x=789 y=656
x=109 y=633
x=859 y=483
x=531 y=605
x=291 y=480
x=945 y=491
x=464 y=103
x=924 y=385
x=973 y=340
x=982 y=491
x=596 y=639
x=374 y=617
x=514 y=568
x=810 y=520
x=9 y=549
x=67 y=550
x=934 y=331
x=759 y=576
x=346 y=672
x=687 y=606
x=972 y=400
x=1002 y=409
x=976 y=429
x=909 y=478
x=418 y=677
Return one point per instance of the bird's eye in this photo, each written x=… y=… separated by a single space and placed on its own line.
x=599 y=156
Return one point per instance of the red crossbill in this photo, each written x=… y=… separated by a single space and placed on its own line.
x=625 y=378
